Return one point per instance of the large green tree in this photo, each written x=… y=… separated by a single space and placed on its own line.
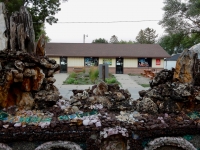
x=114 y=39
x=147 y=36
x=100 y=40
x=181 y=16
x=176 y=43
x=41 y=10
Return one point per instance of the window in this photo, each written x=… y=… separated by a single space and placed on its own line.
x=107 y=61
x=91 y=61
x=144 y=62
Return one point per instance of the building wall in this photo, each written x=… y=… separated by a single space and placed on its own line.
x=75 y=62
x=157 y=66
x=169 y=64
x=130 y=62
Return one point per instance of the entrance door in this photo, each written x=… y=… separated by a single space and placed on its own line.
x=63 y=64
x=119 y=66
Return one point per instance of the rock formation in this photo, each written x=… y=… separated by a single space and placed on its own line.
x=26 y=75
x=175 y=90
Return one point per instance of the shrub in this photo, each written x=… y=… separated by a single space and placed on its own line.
x=72 y=75
x=70 y=80
x=111 y=80
x=93 y=74
x=75 y=82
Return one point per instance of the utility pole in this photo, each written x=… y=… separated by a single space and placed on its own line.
x=84 y=37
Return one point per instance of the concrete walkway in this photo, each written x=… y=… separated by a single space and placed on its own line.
x=124 y=79
x=130 y=84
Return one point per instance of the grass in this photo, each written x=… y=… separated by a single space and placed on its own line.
x=133 y=74
x=83 y=78
x=145 y=85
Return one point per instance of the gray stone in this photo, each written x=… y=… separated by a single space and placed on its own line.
x=3 y=27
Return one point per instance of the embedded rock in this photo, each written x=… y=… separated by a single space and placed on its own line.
x=184 y=67
x=27 y=101
x=101 y=88
x=40 y=50
x=3 y=27
x=22 y=35
x=147 y=105
x=162 y=77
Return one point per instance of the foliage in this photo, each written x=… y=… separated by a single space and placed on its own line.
x=145 y=85
x=70 y=80
x=132 y=74
x=43 y=32
x=126 y=42
x=41 y=11
x=147 y=36
x=93 y=74
x=100 y=40
x=81 y=79
x=176 y=43
x=111 y=80
x=114 y=39
x=72 y=75
x=181 y=16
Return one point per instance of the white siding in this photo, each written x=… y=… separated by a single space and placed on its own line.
x=169 y=64
x=75 y=62
x=130 y=62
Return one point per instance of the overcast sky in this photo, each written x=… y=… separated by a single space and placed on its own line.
x=104 y=11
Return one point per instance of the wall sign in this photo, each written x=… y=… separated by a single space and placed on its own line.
x=157 y=61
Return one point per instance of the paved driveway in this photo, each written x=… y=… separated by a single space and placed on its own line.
x=126 y=81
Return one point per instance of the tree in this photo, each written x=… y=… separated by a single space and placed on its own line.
x=100 y=40
x=114 y=39
x=176 y=43
x=126 y=42
x=181 y=16
x=147 y=36
x=140 y=38
x=41 y=11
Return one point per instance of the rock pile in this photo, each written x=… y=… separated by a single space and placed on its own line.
x=176 y=90
x=26 y=74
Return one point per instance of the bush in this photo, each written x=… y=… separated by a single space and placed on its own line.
x=93 y=74
x=111 y=80
x=75 y=82
x=72 y=75
x=70 y=80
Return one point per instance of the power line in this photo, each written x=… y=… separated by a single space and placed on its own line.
x=112 y=21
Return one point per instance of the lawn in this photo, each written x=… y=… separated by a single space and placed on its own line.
x=88 y=78
x=145 y=85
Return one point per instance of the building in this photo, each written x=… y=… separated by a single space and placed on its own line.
x=122 y=58
x=170 y=62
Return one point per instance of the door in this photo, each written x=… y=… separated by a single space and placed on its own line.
x=63 y=64
x=119 y=66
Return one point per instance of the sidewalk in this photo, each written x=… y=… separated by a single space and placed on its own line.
x=124 y=79
x=130 y=84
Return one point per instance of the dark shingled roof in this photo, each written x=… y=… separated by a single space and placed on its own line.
x=173 y=57
x=105 y=50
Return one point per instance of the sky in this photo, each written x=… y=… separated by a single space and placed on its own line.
x=67 y=30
